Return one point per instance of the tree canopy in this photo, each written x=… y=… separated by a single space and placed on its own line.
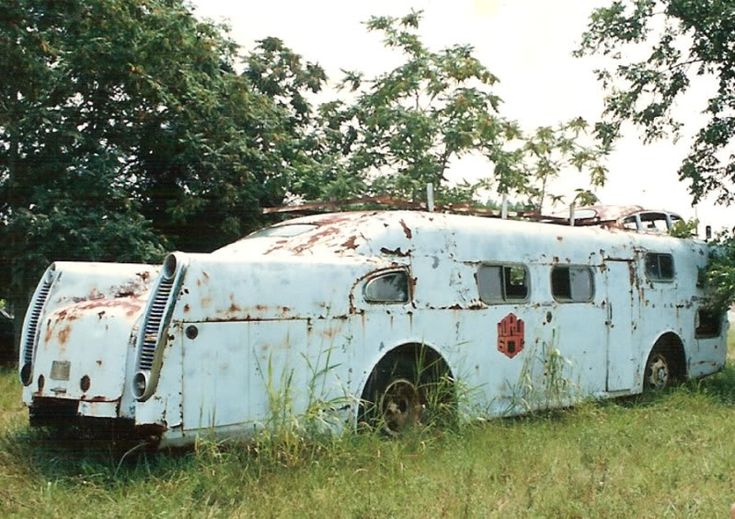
x=130 y=127
x=125 y=129
x=657 y=48
x=405 y=127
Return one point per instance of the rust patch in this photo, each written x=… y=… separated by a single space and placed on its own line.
x=350 y=243
x=406 y=229
x=49 y=332
x=187 y=308
x=329 y=333
x=64 y=334
x=395 y=252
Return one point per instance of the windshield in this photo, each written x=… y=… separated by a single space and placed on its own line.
x=282 y=231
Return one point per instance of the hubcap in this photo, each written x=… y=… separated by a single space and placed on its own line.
x=659 y=374
x=400 y=406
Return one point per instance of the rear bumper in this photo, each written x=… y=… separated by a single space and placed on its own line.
x=66 y=414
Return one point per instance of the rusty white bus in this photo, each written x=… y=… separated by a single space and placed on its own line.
x=343 y=310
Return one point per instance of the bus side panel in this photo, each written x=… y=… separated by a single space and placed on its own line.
x=252 y=373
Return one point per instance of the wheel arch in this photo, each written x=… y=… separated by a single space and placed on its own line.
x=673 y=347
x=429 y=358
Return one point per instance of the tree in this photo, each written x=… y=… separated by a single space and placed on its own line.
x=549 y=151
x=678 y=40
x=404 y=128
x=125 y=130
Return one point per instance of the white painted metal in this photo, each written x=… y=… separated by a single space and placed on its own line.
x=277 y=325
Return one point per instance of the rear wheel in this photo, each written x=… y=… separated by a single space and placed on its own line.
x=406 y=390
x=400 y=406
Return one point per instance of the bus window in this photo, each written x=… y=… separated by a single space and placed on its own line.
x=391 y=287
x=708 y=324
x=659 y=267
x=572 y=284
x=502 y=283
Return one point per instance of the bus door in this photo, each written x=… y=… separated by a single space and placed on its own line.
x=622 y=305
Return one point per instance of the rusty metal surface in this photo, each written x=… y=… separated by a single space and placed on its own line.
x=276 y=320
x=85 y=332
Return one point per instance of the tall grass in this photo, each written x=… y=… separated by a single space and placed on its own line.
x=665 y=455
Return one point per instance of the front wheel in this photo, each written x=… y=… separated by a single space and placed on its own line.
x=659 y=373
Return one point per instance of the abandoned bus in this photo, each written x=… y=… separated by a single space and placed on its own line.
x=347 y=310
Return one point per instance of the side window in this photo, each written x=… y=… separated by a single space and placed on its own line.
x=391 y=287
x=572 y=284
x=708 y=324
x=502 y=283
x=659 y=267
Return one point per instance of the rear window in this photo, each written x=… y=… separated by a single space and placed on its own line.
x=502 y=283
x=390 y=287
x=283 y=231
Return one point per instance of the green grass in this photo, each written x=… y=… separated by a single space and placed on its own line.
x=667 y=455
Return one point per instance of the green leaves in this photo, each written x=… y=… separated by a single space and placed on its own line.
x=679 y=40
x=403 y=128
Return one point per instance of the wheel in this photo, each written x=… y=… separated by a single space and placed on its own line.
x=406 y=391
x=394 y=398
x=659 y=373
x=400 y=406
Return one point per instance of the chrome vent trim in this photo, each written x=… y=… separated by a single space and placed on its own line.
x=29 y=344
x=31 y=324
x=156 y=320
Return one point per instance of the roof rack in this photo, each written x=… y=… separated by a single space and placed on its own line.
x=610 y=216
x=387 y=202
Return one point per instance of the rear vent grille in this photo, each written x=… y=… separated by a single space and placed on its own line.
x=154 y=323
x=29 y=342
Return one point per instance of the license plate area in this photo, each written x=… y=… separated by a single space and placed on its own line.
x=60 y=370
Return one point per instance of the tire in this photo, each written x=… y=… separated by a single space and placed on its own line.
x=397 y=398
x=659 y=373
x=400 y=396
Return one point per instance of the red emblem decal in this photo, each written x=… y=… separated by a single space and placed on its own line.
x=510 y=335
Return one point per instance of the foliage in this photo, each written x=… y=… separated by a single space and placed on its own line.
x=677 y=41
x=668 y=452
x=684 y=228
x=550 y=151
x=124 y=130
x=406 y=125
x=720 y=275
x=404 y=128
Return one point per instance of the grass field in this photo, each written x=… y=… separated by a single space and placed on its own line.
x=667 y=455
